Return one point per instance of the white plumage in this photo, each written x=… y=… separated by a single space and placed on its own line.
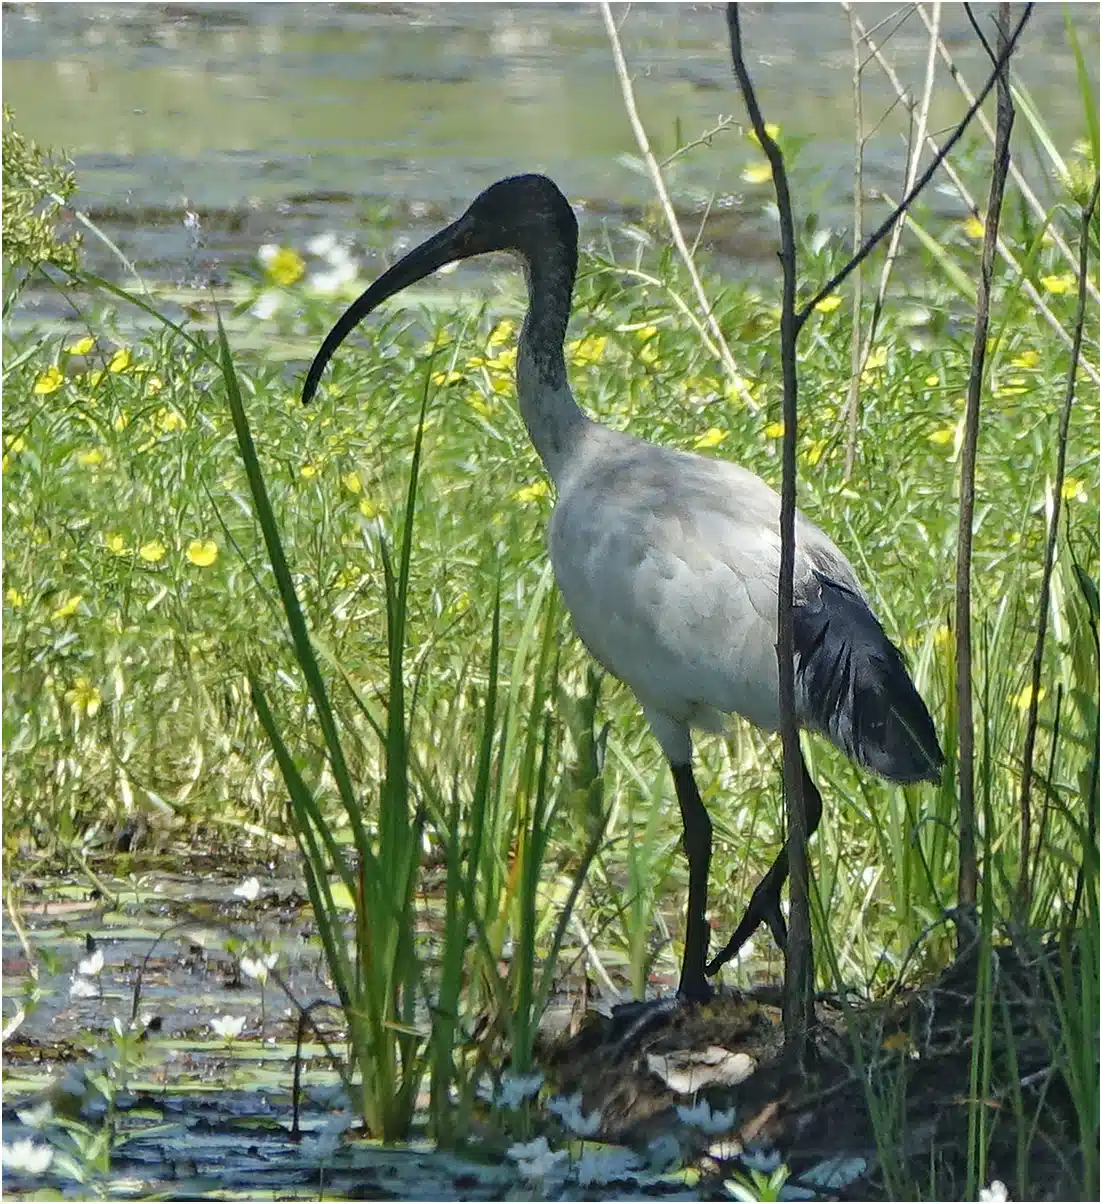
x=668 y=563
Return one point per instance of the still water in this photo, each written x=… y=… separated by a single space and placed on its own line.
x=275 y=122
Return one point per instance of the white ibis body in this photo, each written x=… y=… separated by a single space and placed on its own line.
x=668 y=563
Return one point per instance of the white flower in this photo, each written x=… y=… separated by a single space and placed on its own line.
x=569 y=1111
x=607 y=1166
x=258 y=967
x=37 y=1117
x=323 y=245
x=228 y=1027
x=996 y=1192
x=536 y=1159
x=513 y=1090
x=759 y=1160
x=83 y=988
x=91 y=965
x=267 y=253
x=248 y=890
x=339 y=274
x=701 y=1117
x=266 y=306
x=27 y=1156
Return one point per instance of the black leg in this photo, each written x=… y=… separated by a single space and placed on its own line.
x=698 y=849
x=765 y=902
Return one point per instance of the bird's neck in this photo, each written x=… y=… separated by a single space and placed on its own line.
x=554 y=421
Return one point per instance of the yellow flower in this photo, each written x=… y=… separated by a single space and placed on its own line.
x=308 y=472
x=352 y=483
x=815 y=451
x=1014 y=387
x=502 y=332
x=774 y=430
x=757 y=173
x=1024 y=696
x=1073 y=490
x=828 y=304
x=152 y=552
x=973 y=226
x=932 y=380
x=154 y=385
x=5 y=463
x=120 y=361
x=533 y=492
x=478 y=404
x=168 y=420
x=588 y=350
x=712 y=437
x=451 y=377
x=84 y=698
x=646 y=332
x=122 y=421
x=877 y=359
x=92 y=458
x=115 y=544
x=1027 y=359
x=49 y=382
x=1059 y=285
x=91 y=379
x=945 y=434
x=943 y=638
x=14 y=597
x=15 y=444
x=68 y=607
x=504 y=361
x=368 y=508
x=770 y=128
x=284 y=265
x=202 y=552
x=648 y=353
x=81 y=346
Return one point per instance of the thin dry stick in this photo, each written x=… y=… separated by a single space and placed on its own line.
x=920 y=122
x=628 y=91
x=1006 y=254
x=798 y=964
x=1015 y=172
x=1050 y=559
x=885 y=226
x=968 y=874
x=705 y=139
x=853 y=396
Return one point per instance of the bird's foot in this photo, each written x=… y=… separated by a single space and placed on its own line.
x=764 y=908
x=632 y=1021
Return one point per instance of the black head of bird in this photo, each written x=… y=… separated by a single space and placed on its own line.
x=526 y=215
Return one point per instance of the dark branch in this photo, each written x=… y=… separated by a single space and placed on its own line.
x=799 y=966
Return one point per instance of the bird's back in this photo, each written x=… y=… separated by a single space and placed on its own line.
x=668 y=563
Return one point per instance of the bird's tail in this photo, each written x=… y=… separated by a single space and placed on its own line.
x=852 y=685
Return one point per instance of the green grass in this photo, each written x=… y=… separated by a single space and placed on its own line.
x=142 y=614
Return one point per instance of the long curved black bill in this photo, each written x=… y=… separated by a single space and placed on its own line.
x=456 y=241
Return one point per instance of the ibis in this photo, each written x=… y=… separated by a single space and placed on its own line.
x=668 y=563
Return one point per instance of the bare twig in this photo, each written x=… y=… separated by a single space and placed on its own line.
x=919 y=121
x=853 y=395
x=1019 y=179
x=968 y=873
x=1007 y=255
x=878 y=234
x=628 y=92
x=704 y=139
x=1050 y=555
x=799 y=967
